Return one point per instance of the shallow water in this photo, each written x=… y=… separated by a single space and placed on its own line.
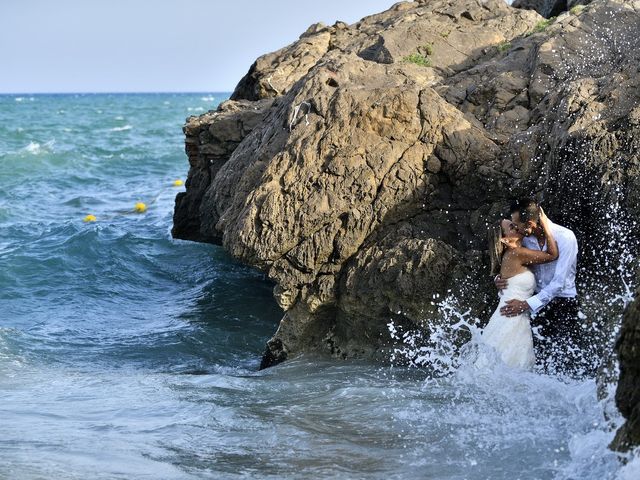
x=127 y=354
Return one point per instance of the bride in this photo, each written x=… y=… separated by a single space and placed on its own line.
x=511 y=337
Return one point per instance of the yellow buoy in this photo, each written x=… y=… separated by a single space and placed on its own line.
x=178 y=183
x=90 y=218
x=140 y=207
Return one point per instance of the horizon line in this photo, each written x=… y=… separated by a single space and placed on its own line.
x=149 y=92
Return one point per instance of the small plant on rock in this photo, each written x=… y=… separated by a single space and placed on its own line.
x=504 y=46
x=575 y=10
x=418 y=59
x=428 y=49
x=542 y=25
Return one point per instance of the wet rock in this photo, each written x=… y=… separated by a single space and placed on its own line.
x=628 y=392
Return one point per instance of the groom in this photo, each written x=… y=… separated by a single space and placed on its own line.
x=554 y=307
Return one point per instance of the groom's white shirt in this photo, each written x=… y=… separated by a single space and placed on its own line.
x=557 y=278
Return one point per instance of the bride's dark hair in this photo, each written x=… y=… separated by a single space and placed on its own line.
x=496 y=247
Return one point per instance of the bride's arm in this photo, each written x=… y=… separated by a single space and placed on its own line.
x=534 y=257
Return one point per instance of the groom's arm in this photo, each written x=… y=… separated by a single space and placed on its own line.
x=568 y=254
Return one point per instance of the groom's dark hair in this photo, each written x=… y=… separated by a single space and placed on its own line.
x=528 y=209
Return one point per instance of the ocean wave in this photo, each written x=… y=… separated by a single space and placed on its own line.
x=36 y=148
x=195 y=109
x=10 y=354
x=209 y=98
x=121 y=129
x=7 y=247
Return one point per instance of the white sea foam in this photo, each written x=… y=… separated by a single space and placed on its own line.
x=195 y=109
x=209 y=98
x=119 y=117
x=19 y=99
x=631 y=471
x=33 y=147
x=121 y=129
x=36 y=148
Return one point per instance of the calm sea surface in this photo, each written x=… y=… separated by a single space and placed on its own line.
x=125 y=354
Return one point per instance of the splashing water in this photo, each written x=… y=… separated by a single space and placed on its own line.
x=499 y=415
x=510 y=402
x=436 y=346
x=446 y=352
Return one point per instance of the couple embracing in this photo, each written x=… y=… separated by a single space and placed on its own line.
x=535 y=260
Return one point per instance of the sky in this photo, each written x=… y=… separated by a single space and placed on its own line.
x=49 y=46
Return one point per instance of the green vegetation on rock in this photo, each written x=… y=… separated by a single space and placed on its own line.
x=542 y=25
x=418 y=59
x=504 y=46
x=428 y=49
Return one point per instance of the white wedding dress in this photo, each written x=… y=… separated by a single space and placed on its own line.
x=511 y=337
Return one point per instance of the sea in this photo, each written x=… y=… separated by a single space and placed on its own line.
x=127 y=354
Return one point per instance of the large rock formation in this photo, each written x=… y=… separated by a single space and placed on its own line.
x=359 y=166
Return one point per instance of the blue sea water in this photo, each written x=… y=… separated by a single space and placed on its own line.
x=126 y=354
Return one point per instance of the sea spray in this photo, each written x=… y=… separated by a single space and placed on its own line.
x=436 y=346
x=482 y=383
x=436 y=350
x=606 y=286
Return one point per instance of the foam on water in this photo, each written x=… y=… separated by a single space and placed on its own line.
x=36 y=148
x=121 y=129
x=631 y=471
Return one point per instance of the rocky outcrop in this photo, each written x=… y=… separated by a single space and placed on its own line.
x=274 y=73
x=210 y=140
x=359 y=167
